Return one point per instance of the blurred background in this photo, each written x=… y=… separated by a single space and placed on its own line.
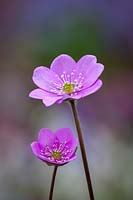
x=33 y=33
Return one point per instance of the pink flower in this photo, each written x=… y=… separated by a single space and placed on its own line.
x=57 y=148
x=67 y=79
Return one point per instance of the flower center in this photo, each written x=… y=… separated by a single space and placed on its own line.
x=68 y=88
x=56 y=155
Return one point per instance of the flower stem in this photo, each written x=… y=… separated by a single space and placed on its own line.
x=82 y=147
x=52 y=183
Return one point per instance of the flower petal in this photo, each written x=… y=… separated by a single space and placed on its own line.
x=45 y=159
x=62 y=63
x=90 y=69
x=85 y=63
x=47 y=97
x=96 y=86
x=64 y=97
x=50 y=99
x=93 y=73
x=43 y=76
x=35 y=148
x=66 y=135
x=73 y=157
x=37 y=94
x=46 y=137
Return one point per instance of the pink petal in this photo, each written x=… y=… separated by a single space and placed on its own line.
x=96 y=86
x=62 y=63
x=66 y=135
x=73 y=157
x=70 y=159
x=35 y=148
x=85 y=63
x=47 y=97
x=92 y=74
x=46 y=137
x=45 y=159
x=42 y=77
x=90 y=69
x=50 y=99
x=64 y=97
x=38 y=94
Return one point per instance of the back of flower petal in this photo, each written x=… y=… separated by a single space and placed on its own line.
x=50 y=99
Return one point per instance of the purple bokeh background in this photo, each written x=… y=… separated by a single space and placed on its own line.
x=33 y=33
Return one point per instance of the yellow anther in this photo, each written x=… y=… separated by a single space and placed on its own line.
x=68 y=88
x=56 y=155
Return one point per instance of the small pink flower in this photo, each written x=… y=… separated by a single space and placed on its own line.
x=67 y=79
x=57 y=148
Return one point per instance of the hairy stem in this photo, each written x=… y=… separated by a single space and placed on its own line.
x=53 y=183
x=82 y=147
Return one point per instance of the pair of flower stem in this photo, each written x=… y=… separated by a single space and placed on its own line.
x=83 y=153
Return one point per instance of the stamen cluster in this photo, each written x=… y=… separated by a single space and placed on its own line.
x=59 y=152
